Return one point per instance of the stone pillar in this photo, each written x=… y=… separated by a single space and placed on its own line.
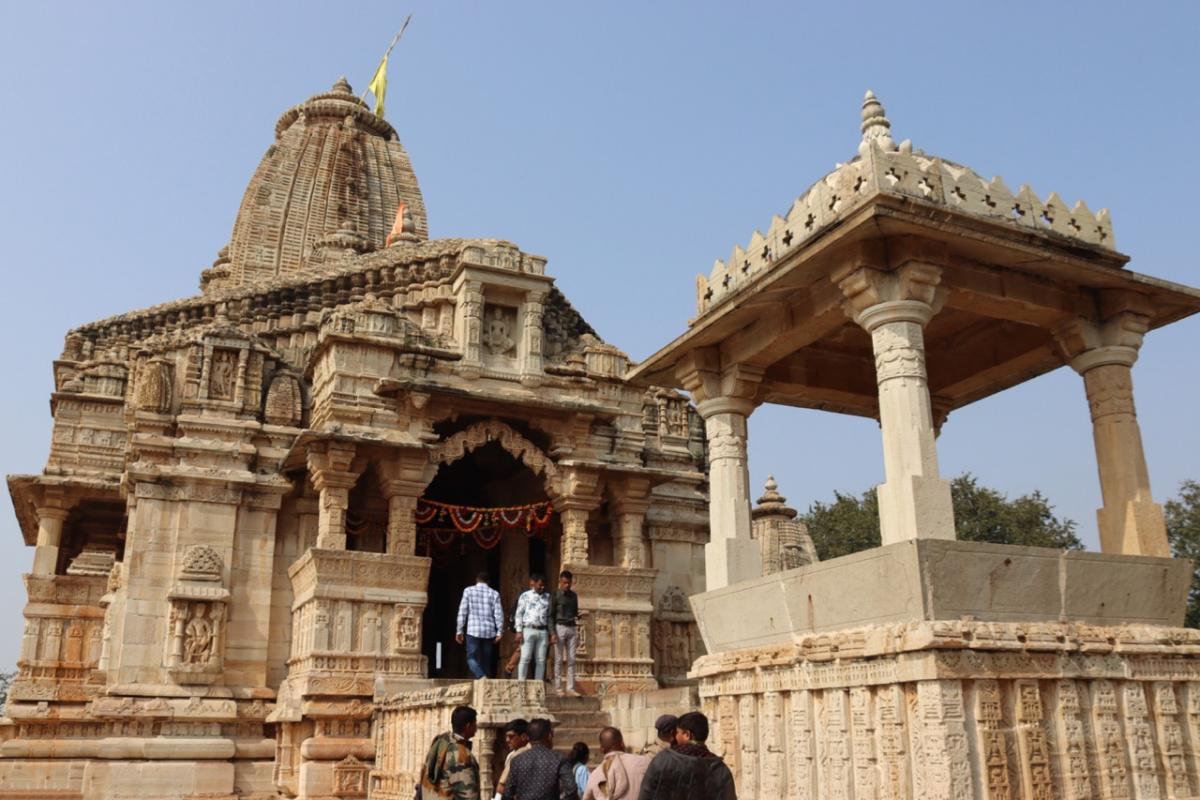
x=330 y=466
x=49 y=537
x=581 y=496
x=471 y=325
x=403 y=481
x=731 y=554
x=1130 y=522
x=914 y=502
x=725 y=396
x=631 y=500
x=531 y=339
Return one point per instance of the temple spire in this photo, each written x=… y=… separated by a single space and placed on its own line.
x=876 y=128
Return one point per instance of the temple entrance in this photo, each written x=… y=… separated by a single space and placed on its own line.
x=462 y=539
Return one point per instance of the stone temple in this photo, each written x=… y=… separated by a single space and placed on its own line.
x=262 y=503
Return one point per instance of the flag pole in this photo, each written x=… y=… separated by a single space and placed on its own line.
x=388 y=52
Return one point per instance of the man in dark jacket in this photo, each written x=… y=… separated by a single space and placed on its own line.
x=689 y=770
x=540 y=773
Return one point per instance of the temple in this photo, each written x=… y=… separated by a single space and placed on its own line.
x=262 y=503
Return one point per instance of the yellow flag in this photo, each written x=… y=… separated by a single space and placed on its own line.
x=378 y=86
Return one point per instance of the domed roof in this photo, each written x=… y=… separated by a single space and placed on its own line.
x=336 y=172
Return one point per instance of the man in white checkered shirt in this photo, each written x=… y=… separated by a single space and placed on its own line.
x=481 y=615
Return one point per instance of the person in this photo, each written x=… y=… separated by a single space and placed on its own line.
x=688 y=770
x=533 y=608
x=578 y=759
x=540 y=773
x=665 y=727
x=516 y=740
x=620 y=774
x=481 y=617
x=562 y=618
x=451 y=771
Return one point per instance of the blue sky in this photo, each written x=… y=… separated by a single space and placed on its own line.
x=631 y=144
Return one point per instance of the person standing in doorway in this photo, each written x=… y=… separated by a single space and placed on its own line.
x=481 y=619
x=563 y=619
x=530 y=621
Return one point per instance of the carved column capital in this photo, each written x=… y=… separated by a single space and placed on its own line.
x=1087 y=344
x=911 y=293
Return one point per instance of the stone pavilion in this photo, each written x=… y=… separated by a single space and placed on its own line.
x=902 y=286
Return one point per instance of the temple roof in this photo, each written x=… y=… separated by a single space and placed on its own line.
x=335 y=175
x=1010 y=271
x=883 y=167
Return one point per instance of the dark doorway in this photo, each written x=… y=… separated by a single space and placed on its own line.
x=487 y=477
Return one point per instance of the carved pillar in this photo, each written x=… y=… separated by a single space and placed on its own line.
x=403 y=481
x=49 y=537
x=724 y=398
x=1104 y=353
x=581 y=496
x=914 y=502
x=471 y=326
x=631 y=499
x=330 y=468
x=531 y=339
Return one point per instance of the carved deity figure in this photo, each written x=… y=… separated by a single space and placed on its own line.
x=221 y=374
x=198 y=636
x=498 y=336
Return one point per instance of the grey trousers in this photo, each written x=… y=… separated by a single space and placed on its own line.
x=564 y=652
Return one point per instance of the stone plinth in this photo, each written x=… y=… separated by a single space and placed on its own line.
x=937 y=579
x=956 y=670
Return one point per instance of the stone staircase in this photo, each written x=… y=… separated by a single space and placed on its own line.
x=579 y=720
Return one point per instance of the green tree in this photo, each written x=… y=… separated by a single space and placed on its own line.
x=6 y=679
x=851 y=523
x=1183 y=532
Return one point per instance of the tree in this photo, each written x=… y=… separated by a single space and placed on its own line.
x=6 y=679
x=851 y=523
x=1183 y=532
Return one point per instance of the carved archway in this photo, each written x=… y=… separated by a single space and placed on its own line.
x=513 y=443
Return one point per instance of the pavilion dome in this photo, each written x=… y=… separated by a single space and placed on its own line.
x=336 y=175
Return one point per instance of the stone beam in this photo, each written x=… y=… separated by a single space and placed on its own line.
x=784 y=328
x=1104 y=353
x=1011 y=295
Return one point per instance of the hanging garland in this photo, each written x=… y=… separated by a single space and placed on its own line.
x=485 y=525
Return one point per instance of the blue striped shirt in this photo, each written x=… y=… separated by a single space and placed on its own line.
x=480 y=612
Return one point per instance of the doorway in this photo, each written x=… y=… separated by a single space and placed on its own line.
x=487 y=477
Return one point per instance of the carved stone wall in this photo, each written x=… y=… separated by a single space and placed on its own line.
x=960 y=710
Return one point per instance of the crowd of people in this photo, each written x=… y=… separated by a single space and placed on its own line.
x=542 y=619
x=678 y=766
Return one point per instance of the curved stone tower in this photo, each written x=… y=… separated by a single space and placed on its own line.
x=334 y=177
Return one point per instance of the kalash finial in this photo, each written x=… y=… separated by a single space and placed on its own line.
x=342 y=86
x=876 y=129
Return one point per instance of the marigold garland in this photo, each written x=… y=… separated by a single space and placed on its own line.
x=485 y=525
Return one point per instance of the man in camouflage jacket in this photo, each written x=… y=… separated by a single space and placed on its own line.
x=451 y=771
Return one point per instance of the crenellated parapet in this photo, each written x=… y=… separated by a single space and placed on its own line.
x=886 y=169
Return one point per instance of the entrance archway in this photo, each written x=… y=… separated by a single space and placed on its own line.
x=485 y=476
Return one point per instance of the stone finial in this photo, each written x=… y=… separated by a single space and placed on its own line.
x=342 y=86
x=772 y=502
x=876 y=128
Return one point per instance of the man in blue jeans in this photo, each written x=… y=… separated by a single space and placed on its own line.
x=530 y=623
x=481 y=615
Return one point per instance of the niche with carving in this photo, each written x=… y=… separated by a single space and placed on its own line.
x=198 y=601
